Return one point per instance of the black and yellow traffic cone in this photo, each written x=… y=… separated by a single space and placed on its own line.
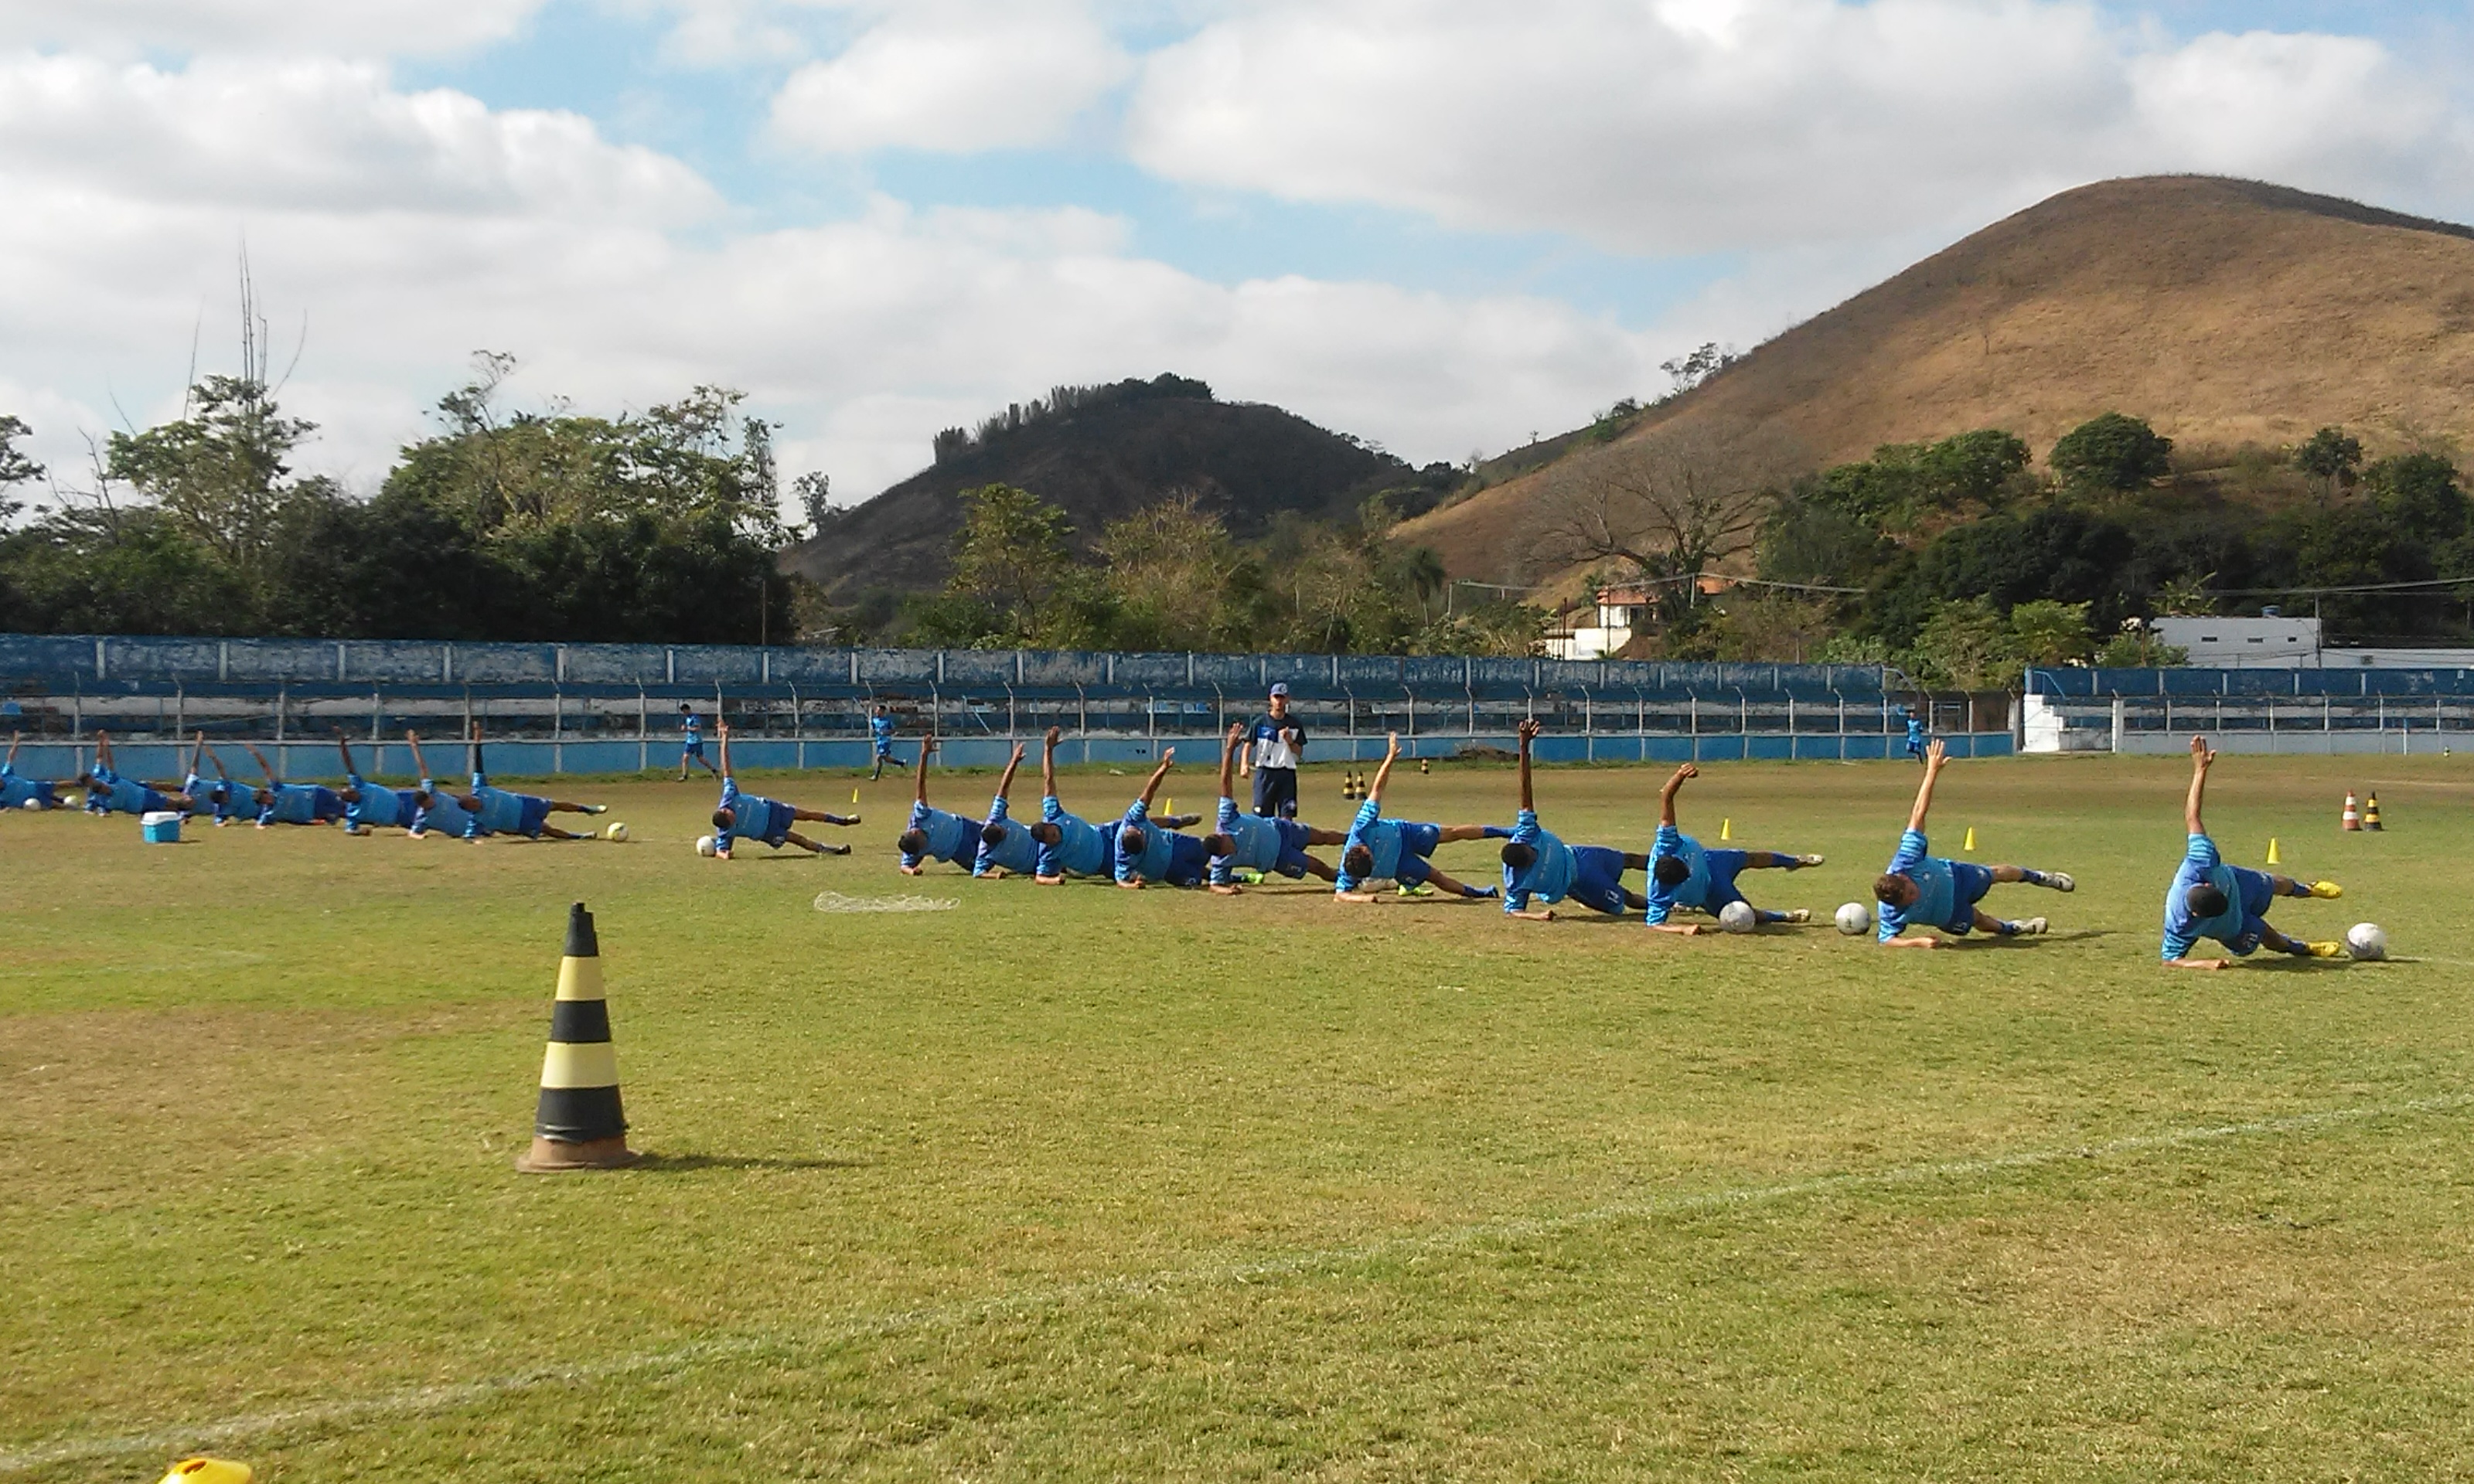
x=1423 y=766
x=579 y=1124
x=2371 y=811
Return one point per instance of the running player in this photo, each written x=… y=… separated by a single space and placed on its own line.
x=106 y=792
x=766 y=820
x=1377 y=848
x=1069 y=844
x=369 y=805
x=1260 y=843
x=1006 y=848
x=879 y=736
x=1152 y=850
x=691 y=742
x=1540 y=870
x=1915 y=733
x=497 y=812
x=18 y=791
x=2229 y=903
x=1683 y=873
x=933 y=833
x=1936 y=891
x=292 y=803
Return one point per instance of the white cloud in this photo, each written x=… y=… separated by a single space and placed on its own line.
x=1691 y=127
x=122 y=29
x=953 y=77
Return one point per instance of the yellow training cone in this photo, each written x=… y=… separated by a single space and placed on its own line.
x=1725 y=829
x=2273 y=859
x=208 y=1471
x=1970 y=846
x=853 y=795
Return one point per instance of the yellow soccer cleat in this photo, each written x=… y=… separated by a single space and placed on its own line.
x=2326 y=949
x=2327 y=889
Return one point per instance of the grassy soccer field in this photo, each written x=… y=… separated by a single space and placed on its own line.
x=1082 y=1183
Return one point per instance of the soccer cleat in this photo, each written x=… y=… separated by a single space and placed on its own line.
x=1809 y=860
x=2327 y=889
x=1421 y=889
x=1250 y=877
x=1798 y=915
x=2326 y=949
x=2060 y=881
x=2030 y=928
x=597 y=808
x=832 y=849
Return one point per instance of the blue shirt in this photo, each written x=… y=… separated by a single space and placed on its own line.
x=1082 y=848
x=501 y=812
x=1254 y=844
x=881 y=729
x=1380 y=836
x=301 y=803
x=1936 y=894
x=17 y=790
x=950 y=837
x=117 y=795
x=377 y=805
x=1915 y=729
x=1693 y=891
x=226 y=799
x=447 y=814
x=694 y=726
x=1177 y=859
x=1548 y=877
x=1017 y=853
x=2184 y=928
x=752 y=817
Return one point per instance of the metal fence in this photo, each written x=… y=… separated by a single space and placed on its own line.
x=2250 y=710
x=597 y=708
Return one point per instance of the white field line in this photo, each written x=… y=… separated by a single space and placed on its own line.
x=449 y=1396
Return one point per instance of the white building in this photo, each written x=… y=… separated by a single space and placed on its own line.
x=1603 y=628
x=2213 y=643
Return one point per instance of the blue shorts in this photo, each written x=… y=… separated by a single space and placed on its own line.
x=1597 y=879
x=1724 y=866
x=1293 y=848
x=773 y=828
x=1968 y=884
x=1419 y=840
x=885 y=747
x=692 y=747
x=534 y=813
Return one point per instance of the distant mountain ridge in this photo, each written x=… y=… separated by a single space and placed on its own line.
x=2222 y=311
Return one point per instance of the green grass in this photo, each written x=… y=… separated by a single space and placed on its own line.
x=1084 y=1183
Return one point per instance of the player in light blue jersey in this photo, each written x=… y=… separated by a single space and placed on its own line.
x=292 y=803
x=1685 y=873
x=228 y=800
x=106 y=792
x=20 y=792
x=2228 y=903
x=1006 y=849
x=933 y=833
x=369 y=805
x=691 y=742
x=743 y=816
x=1922 y=891
x=879 y=736
x=1069 y=844
x=437 y=811
x=1540 y=870
x=1264 y=845
x=1376 y=848
x=1152 y=850
x=1915 y=733
x=499 y=811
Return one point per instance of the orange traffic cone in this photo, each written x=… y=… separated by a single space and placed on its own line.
x=2353 y=818
x=2371 y=811
x=578 y=1124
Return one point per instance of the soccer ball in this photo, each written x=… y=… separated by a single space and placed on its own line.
x=1737 y=917
x=705 y=845
x=1854 y=919
x=616 y=832
x=34 y=804
x=2367 y=942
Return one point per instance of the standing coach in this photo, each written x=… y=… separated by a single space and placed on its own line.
x=1274 y=742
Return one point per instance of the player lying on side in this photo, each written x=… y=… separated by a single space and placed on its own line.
x=1377 y=848
x=1683 y=872
x=228 y=800
x=369 y=805
x=1068 y=844
x=106 y=792
x=1151 y=849
x=499 y=811
x=20 y=792
x=1934 y=892
x=2228 y=903
x=743 y=817
x=435 y=811
x=933 y=833
x=1006 y=849
x=1540 y=870
x=1265 y=844
x=292 y=803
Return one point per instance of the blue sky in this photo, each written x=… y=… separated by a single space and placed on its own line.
x=1443 y=225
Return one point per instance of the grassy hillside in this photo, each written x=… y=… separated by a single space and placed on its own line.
x=2225 y=312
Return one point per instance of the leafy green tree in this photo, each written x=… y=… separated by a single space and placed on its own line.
x=1010 y=555
x=1966 y=644
x=2330 y=458
x=2419 y=493
x=218 y=474
x=16 y=467
x=2046 y=633
x=2111 y=453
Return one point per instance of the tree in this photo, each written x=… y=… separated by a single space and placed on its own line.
x=16 y=467
x=2418 y=491
x=2330 y=457
x=814 y=491
x=218 y=473
x=1169 y=568
x=2111 y=454
x=2046 y=633
x=1967 y=645
x=1010 y=554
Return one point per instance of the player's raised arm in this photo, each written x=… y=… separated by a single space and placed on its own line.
x=1004 y=785
x=1674 y=785
x=1936 y=757
x=721 y=730
x=103 y=751
x=1048 y=762
x=1527 y=731
x=2202 y=757
x=420 y=764
x=1383 y=775
x=919 y=790
x=15 y=736
x=263 y=766
x=1152 y=784
x=344 y=746
x=1228 y=761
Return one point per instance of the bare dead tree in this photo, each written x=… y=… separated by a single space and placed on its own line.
x=1670 y=506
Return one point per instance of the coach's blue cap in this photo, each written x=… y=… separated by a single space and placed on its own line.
x=1279 y=687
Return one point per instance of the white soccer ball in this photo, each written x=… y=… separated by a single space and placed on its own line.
x=2367 y=942
x=1737 y=917
x=616 y=832
x=705 y=845
x=1855 y=920
x=34 y=804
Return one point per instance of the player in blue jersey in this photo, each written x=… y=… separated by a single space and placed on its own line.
x=228 y=800
x=1152 y=850
x=20 y=792
x=369 y=805
x=2228 y=903
x=1262 y=843
x=437 y=811
x=1006 y=849
x=1683 y=872
x=1540 y=870
x=933 y=833
x=292 y=803
x=1921 y=890
x=1915 y=733
x=1068 y=844
x=1376 y=848
x=499 y=811
x=743 y=816
x=691 y=742
x=879 y=736
x=106 y=792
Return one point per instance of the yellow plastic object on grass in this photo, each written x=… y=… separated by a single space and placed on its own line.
x=209 y=1470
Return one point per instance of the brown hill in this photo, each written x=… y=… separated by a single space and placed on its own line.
x=2222 y=311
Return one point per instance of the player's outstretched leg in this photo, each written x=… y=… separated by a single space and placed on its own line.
x=1452 y=888
x=2278 y=942
x=814 y=846
x=2001 y=927
x=1781 y=860
x=821 y=816
x=2051 y=881
x=561 y=806
x=2287 y=886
